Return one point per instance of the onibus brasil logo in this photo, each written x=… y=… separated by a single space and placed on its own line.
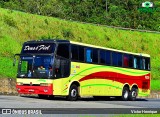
x=148 y=7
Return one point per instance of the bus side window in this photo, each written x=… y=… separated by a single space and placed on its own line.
x=102 y=57
x=119 y=59
x=125 y=60
x=74 y=50
x=143 y=63
x=108 y=57
x=81 y=53
x=135 y=63
x=139 y=66
x=62 y=65
x=88 y=55
x=147 y=63
x=130 y=61
x=95 y=56
x=63 y=50
x=114 y=59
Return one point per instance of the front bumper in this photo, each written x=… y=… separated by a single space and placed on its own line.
x=46 y=90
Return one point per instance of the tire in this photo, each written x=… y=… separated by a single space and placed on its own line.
x=73 y=93
x=125 y=94
x=133 y=94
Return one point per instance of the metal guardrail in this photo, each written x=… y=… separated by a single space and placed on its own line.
x=121 y=28
x=148 y=31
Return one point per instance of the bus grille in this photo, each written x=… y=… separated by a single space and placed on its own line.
x=31 y=85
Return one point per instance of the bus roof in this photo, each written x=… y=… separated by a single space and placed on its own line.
x=88 y=45
x=48 y=41
x=83 y=44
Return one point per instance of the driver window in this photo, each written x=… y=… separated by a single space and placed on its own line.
x=63 y=50
x=62 y=65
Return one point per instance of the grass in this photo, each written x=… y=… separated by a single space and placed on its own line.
x=155 y=85
x=18 y=27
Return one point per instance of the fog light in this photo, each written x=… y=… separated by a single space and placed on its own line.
x=18 y=89
x=45 y=90
x=19 y=83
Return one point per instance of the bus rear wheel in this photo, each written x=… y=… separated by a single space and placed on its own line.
x=125 y=94
x=73 y=93
x=133 y=94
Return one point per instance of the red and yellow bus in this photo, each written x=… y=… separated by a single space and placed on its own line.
x=72 y=69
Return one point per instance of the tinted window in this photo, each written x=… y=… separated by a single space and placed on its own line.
x=81 y=53
x=102 y=57
x=108 y=57
x=74 y=50
x=119 y=57
x=136 y=62
x=141 y=63
x=126 y=60
x=147 y=63
x=95 y=56
x=114 y=59
x=130 y=61
x=63 y=50
x=88 y=55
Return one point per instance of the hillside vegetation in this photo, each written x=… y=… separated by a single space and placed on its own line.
x=123 y=13
x=18 y=27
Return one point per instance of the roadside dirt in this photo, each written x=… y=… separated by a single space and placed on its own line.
x=154 y=94
x=8 y=86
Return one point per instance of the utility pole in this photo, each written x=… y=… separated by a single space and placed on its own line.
x=106 y=7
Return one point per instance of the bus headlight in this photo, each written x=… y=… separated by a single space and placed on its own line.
x=19 y=83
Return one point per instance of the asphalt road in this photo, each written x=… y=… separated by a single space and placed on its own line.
x=83 y=105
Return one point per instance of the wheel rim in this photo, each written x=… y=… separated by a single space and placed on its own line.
x=134 y=94
x=74 y=93
x=126 y=94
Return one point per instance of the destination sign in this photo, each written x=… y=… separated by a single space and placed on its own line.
x=38 y=48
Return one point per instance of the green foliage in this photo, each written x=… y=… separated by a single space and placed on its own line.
x=46 y=21
x=67 y=33
x=9 y=21
x=155 y=85
x=123 y=13
x=8 y=46
x=6 y=68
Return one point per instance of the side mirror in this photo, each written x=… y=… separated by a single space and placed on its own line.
x=14 y=61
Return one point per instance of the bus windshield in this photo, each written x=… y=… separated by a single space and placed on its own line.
x=35 y=66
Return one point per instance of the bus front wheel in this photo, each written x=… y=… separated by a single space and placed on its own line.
x=73 y=93
x=133 y=94
x=125 y=94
